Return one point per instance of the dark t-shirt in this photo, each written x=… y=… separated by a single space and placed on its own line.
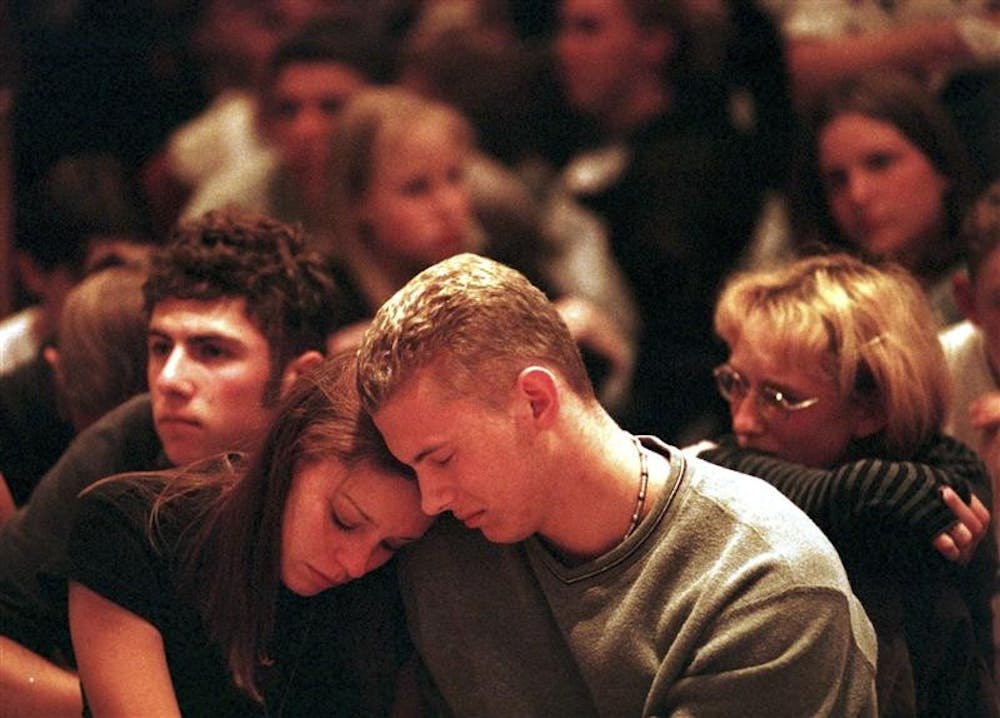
x=33 y=541
x=678 y=220
x=334 y=654
x=684 y=210
x=33 y=435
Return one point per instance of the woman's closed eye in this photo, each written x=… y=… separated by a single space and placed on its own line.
x=342 y=523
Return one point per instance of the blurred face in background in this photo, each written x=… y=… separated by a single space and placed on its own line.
x=602 y=54
x=235 y=38
x=884 y=194
x=300 y=112
x=418 y=208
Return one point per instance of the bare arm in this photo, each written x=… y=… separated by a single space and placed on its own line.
x=925 y=48
x=32 y=686
x=122 y=663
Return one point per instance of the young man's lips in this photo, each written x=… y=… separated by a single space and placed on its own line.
x=472 y=520
x=171 y=420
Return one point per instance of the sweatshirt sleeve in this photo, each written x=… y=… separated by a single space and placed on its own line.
x=872 y=504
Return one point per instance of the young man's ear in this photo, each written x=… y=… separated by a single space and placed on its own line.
x=964 y=292
x=539 y=386
x=303 y=363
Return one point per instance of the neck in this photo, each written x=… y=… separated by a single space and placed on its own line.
x=932 y=257
x=377 y=277
x=593 y=510
x=643 y=105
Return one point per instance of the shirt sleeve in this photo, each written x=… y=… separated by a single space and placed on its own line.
x=790 y=653
x=893 y=507
x=110 y=552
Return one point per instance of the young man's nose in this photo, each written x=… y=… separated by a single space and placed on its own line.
x=435 y=496
x=451 y=201
x=311 y=123
x=173 y=374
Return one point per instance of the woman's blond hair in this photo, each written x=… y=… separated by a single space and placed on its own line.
x=369 y=120
x=868 y=327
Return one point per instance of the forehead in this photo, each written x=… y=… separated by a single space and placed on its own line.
x=861 y=131
x=389 y=500
x=316 y=77
x=606 y=12
x=421 y=414
x=425 y=134
x=429 y=145
x=369 y=485
x=225 y=317
x=759 y=353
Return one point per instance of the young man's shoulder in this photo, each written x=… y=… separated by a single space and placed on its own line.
x=758 y=517
x=35 y=536
x=124 y=439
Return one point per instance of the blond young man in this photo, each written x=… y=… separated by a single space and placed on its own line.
x=596 y=573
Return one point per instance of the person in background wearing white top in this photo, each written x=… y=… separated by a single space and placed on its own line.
x=972 y=347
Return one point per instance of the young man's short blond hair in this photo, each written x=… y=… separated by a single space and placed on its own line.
x=482 y=319
x=869 y=328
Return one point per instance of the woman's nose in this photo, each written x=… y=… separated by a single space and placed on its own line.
x=746 y=415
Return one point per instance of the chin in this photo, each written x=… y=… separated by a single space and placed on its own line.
x=183 y=455
x=301 y=588
x=885 y=245
x=770 y=451
x=305 y=592
x=498 y=535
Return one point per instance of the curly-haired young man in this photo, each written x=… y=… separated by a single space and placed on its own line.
x=238 y=309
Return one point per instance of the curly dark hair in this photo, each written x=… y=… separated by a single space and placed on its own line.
x=289 y=291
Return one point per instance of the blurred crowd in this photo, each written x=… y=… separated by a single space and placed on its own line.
x=629 y=157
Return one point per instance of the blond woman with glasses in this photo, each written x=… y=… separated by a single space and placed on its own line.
x=837 y=391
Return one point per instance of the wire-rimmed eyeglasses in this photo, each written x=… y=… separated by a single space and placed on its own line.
x=734 y=387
